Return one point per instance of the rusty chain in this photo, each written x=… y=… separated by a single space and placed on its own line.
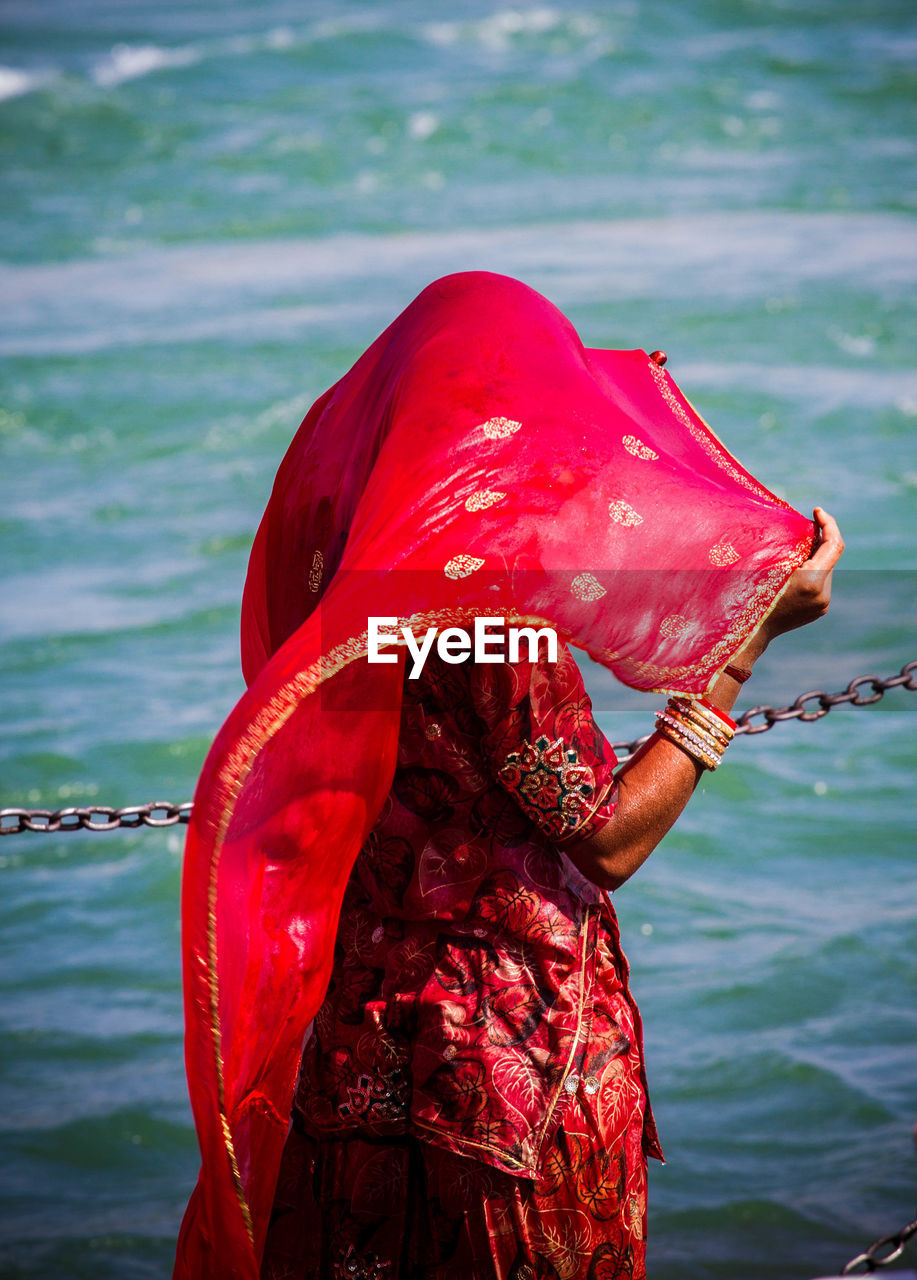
x=798 y=710
x=96 y=817
x=906 y=678
x=870 y=1259
x=160 y=813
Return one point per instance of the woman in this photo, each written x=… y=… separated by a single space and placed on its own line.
x=471 y=1101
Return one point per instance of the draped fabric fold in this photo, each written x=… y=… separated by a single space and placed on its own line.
x=477 y=461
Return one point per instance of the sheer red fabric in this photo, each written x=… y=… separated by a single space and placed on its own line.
x=476 y=461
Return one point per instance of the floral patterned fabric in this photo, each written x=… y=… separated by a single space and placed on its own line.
x=479 y=995
x=353 y=1209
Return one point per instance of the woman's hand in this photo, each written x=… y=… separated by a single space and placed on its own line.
x=809 y=592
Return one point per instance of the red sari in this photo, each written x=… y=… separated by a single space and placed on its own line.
x=476 y=461
x=472 y=1099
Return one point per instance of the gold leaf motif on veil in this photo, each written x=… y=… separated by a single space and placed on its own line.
x=482 y=499
x=673 y=625
x=461 y=566
x=638 y=449
x=500 y=428
x=723 y=554
x=623 y=513
x=585 y=586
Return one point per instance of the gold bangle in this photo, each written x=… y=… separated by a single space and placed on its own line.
x=704 y=731
x=700 y=727
x=699 y=710
x=698 y=756
x=706 y=753
x=711 y=735
x=708 y=749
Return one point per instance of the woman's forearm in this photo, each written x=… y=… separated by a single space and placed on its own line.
x=653 y=789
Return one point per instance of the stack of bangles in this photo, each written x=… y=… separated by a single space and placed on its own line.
x=698 y=727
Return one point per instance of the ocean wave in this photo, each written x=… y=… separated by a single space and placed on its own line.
x=131 y=61
x=498 y=30
x=170 y=293
x=15 y=81
x=126 y=61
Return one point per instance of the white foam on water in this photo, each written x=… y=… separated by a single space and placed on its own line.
x=125 y=61
x=422 y=125
x=15 y=81
x=165 y=294
x=498 y=29
x=245 y=321
x=131 y=61
x=91 y=599
x=350 y=24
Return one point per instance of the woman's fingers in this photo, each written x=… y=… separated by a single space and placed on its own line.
x=829 y=550
x=816 y=573
x=808 y=593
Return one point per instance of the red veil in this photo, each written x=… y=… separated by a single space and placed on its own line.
x=476 y=460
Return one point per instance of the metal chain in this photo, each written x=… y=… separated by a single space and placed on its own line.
x=906 y=678
x=97 y=817
x=870 y=1259
x=160 y=813
x=799 y=710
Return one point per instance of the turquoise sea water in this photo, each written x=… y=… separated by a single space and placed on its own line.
x=206 y=213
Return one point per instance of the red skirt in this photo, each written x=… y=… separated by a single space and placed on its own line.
x=402 y=1208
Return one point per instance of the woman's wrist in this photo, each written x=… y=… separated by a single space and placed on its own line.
x=752 y=650
x=727 y=688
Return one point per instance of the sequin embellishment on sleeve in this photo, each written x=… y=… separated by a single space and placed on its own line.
x=550 y=785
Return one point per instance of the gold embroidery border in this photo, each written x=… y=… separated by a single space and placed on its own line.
x=762 y=488
x=709 y=442
x=271 y=718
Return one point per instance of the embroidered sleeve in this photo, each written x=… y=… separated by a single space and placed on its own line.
x=545 y=746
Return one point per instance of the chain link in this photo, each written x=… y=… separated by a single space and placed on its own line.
x=799 y=710
x=870 y=1260
x=97 y=817
x=160 y=813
